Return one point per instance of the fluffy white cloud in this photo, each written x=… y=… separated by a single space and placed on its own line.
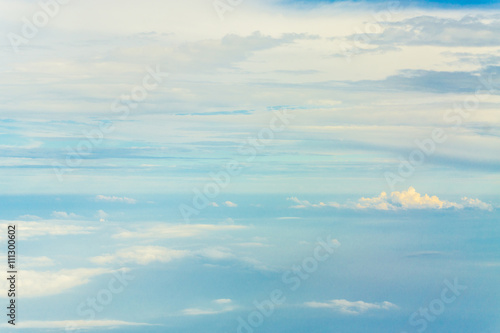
x=476 y=203
x=141 y=255
x=115 y=199
x=230 y=204
x=409 y=199
x=352 y=308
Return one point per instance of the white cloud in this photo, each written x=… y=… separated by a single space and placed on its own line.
x=228 y=221
x=307 y=204
x=37 y=283
x=230 y=204
x=115 y=199
x=144 y=255
x=141 y=255
x=29 y=262
x=476 y=203
x=48 y=227
x=74 y=324
x=223 y=301
x=252 y=244
x=216 y=253
x=257 y=265
x=64 y=215
x=352 y=308
x=162 y=231
x=102 y=215
x=29 y=217
x=487 y=264
x=409 y=199
x=220 y=306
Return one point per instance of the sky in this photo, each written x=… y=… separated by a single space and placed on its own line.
x=251 y=166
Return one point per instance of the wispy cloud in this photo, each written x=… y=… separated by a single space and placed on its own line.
x=164 y=231
x=218 y=306
x=425 y=254
x=64 y=215
x=30 y=262
x=30 y=229
x=102 y=215
x=307 y=204
x=351 y=308
x=115 y=199
x=216 y=253
x=74 y=324
x=141 y=255
x=44 y=283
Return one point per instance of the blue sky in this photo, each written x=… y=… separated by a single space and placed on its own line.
x=173 y=166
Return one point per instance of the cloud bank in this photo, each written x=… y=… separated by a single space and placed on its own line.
x=404 y=200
